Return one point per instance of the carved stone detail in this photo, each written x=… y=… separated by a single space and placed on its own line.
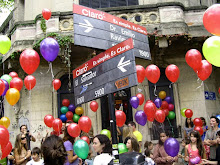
x=66 y=24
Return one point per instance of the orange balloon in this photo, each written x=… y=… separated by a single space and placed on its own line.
x=162 y=94
x=5 y=121
x=12 y=96
x=79 y=110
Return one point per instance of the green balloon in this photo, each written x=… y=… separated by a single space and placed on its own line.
x=122 y=148
x=106 y=132
x=211 y=50
x=81 y=148
x=183 y=112
x=7 y=78
x=3 y=161
x=5 y=44
x=64 y=109
x=171 y=115
x=76 y=118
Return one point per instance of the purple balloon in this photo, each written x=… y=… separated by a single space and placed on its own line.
x=72 y=108
x=172 y=146
x=134 y=101
x=141 y=117
x=49 y=49
x=6 y=87
x=195 y=160
x=168 y=99
x=158 y=102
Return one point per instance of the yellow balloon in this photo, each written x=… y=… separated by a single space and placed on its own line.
x=5 y=122
x=12 y=96
x=79 y=110
x=162 y=94
x=0 y=122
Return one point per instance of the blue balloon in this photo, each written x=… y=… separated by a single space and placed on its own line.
x=158 y=102
x=72 y=108
x=63 y=118
x=134 y=101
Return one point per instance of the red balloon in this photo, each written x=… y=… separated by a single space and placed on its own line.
x=172 y=72
x=56 y=84
x=152 y=73
x=140 y=73
x=48 y=120
x=164 y=105
x=211 y=19
x=29 y=82
x=166 y=111
x=199 y=129
x=198 y=122
x=69 y=115
x=205 y=70
x=193 y=58
x=140 y=96
x=29 y=60
x=55 y=133
x=13 y=74
x=85 y=138
x=170 y=107
x=120 y=118
x=73 y=130
x=4 y=136
x=66 y=102
x=219 y=90
x=160 y=116
x=57 y=124
x=6 y=151
x=188 y=113
x=85 y=123
x=150 y=110
x=16 y=83
x=2 y=87
x=46 y=13
x=94 y=106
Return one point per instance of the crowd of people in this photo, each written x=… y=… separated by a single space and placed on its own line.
x=58 y=149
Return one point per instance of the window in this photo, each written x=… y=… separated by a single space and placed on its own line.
x=107 y=3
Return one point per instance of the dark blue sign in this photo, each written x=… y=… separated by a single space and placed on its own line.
x=210 y=95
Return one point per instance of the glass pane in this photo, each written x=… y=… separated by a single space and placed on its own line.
x=95 y=4
x=84 y=3
x=105 y=3
x=132 y=2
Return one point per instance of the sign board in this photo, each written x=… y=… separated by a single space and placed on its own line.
x=210 y=95
x=97 y=29
x=108 y=72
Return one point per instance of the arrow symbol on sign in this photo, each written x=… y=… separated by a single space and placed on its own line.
x=121 y=64
x=88 y=25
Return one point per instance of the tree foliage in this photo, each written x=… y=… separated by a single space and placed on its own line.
x=6 y=4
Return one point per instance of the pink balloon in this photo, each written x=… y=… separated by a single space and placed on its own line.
x=170 y=107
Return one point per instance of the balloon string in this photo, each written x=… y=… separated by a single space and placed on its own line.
x=46 y=71
x=155 y=90
x=170 y=86
x=51 y=67
x=170 y=126
x=198 y=79
x=200 y=86
x=3 y=65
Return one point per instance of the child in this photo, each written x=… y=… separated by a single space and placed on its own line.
x=148 y=159
x=182 y=155
x=35 y=154
x=194 y=148
x=149 y=145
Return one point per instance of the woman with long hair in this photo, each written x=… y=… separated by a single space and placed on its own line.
x=72 y=158
x=188 y=127
x=102 y=146
x=21 y=152
x=132 y=145
x=160 y=156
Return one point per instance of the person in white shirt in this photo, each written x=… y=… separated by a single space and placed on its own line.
x=148 y=158
x=102 y=145
x=35 y=154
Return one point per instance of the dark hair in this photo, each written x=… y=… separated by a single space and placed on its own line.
x=218 y=133
x=147 y=144
x=202 y=118
x=36 y=150
x=198 y=143
x=103 y=139
x=186 y=140
x=147 y=152
x=53 y=150
x=134 y=144
x=132 y=123
x=167 y=134
x=214 y=117
x=191 y=123
x=22 y=126
x=68 y=137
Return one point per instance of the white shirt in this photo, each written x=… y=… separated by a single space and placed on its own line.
x=32 y=162
x=149 y=161
x=102 y=159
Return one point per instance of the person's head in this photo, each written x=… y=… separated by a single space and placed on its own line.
x=23 y=129
x=163 y=137
x=196 y=139
x=132 y=144
x=68 y=137
x=184 y=142
x=132 y=125
x=203 y=121
x=218 y=137
x=102 y=144
x=20 y=142
x=148 y=145
x=214 y=121
x=147 y=153
x=35 y=154
x=63 y=127
x=188 y=122
x=53 y=151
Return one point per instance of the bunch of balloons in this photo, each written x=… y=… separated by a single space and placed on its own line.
x=198 y=125
x=188 y=113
